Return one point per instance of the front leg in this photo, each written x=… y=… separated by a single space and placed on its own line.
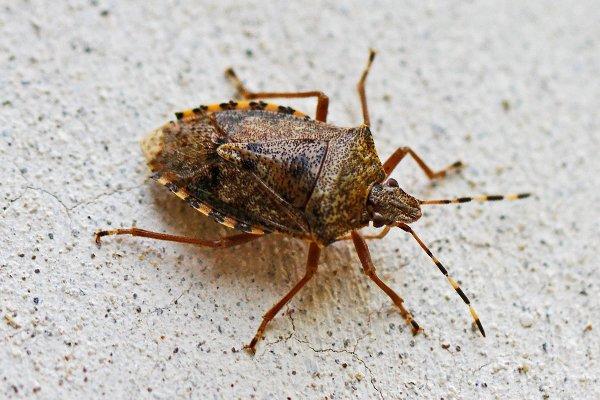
x=369 y=268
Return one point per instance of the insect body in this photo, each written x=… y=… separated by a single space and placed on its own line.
x=258 y=168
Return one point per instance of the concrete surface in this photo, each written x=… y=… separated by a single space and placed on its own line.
x=512 y=88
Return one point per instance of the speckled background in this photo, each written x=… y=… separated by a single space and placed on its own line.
x=509 y=87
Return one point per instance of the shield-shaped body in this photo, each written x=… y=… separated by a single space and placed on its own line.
x=258 y=167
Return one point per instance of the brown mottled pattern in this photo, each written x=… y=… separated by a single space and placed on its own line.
x=185 y=154
x=338 y=202
x=261 y=126
x=280 y=172
x=289 y=167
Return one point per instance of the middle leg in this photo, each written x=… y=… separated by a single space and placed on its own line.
x=399 y=154
x=382 y=233
x=243 y=92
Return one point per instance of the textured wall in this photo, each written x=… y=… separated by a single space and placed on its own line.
x=511 y=88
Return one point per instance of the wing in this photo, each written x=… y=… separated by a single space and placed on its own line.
x=183 y=156
x=290 y=168
x=264 y=126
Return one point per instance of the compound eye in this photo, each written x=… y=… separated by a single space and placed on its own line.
x=392 y=182
x=378 y=220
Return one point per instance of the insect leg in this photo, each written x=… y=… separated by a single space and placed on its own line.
x=365 y=259
x=382 y=233
x=480 y=198
x=400 y=153
x=361 y=89
x=311 y=267
x=230 y=241
x=243 y=92
x=443 y=270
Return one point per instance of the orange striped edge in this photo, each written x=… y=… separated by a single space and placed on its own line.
x=206 y=209
x=193 y=113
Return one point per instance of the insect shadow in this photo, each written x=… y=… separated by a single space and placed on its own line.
x=274 y=262
x=257 y=261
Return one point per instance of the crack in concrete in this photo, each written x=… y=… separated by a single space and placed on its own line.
x=105 y=194
x=332 y=350
x=67 y=209
x=352 y=352
x=174 y=301
x=18 y=197
x=160 y=310
x=30 y=186
x=289 y=335
x=11 y=201
x=55 y=197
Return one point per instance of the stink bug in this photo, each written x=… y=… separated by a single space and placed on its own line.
x=260 y=167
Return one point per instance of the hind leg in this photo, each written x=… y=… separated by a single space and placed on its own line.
x=230 y=241
x=243 y=92
x=311 y=267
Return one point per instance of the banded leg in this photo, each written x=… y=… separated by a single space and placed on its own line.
x=230 y=241
x=361 y=89
x=399 y=154
x=365 y=259
x=243 y=92
x=443 y=270
x=481 y=198
x=311 y=267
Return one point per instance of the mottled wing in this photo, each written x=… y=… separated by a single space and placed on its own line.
x=289 y=168
x=265 y=126
x=183 y=157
